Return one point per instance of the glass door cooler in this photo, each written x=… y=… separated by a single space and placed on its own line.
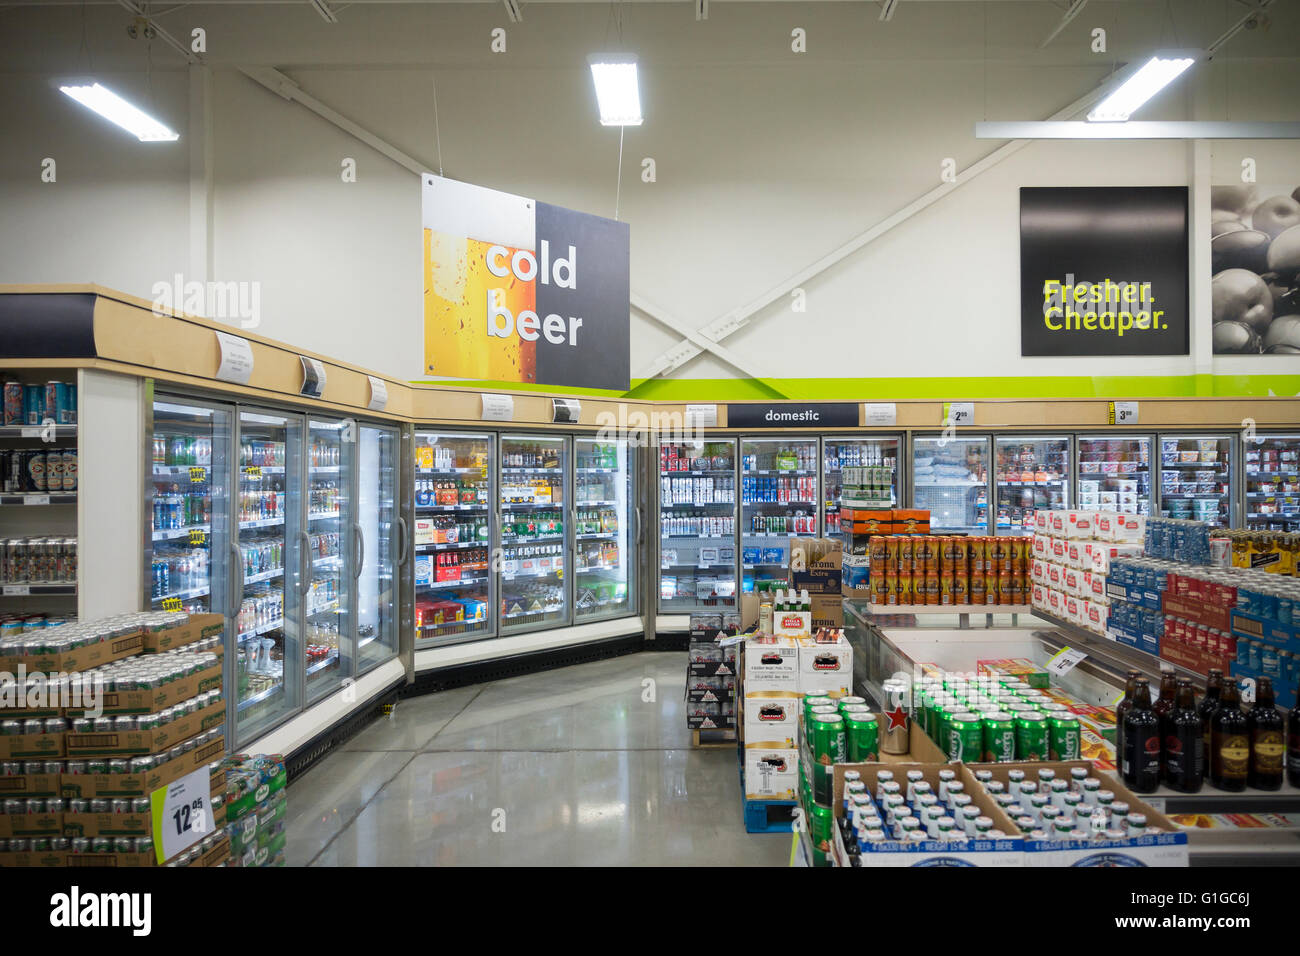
x=950 y=478
x=604 y=565
x=454 y=587
x=1272 y=467
x=1196 y=479
x=534 y=536
x=697 y=525
x=377 y=548
x=779 y=494
x=1033 y=474
x=1114 y=473
x=330 y=543
x=869 y=470
x=272 y=583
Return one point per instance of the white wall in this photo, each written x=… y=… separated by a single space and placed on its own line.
x=766 y=160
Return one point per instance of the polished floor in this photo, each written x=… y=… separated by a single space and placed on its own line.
x=586 y=765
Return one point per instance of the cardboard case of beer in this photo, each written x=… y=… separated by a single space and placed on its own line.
x=772 y=716
x=771 y=663
x=771 y=770
x=1002 y=852
x=824 y=667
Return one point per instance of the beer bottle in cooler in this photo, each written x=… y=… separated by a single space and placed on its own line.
x=1208 y=705
x=1184 y=742
x=1229 y=742
x=1121 y=709
x=1267 y=743
x=1164 y=706
x=1140 y=760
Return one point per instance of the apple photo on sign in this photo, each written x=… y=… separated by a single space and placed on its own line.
x=1255 y=256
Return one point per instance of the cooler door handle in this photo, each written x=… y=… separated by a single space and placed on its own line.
x=237 y=593
x=361 y=550
x=304 y=563
x=405 y=542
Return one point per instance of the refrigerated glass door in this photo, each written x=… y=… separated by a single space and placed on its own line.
x=1272 y=464
x=189 y=478
x=534 y=534
x=1033 y=474
x=1196 y=478
x=778 y=493
x=1115 y=473
x=950 y=478
x=376 y=515
x=453 y=537
x=603 y=533
x=697 y=525
x=331 y=552
x=271 y=580
x=871 y=477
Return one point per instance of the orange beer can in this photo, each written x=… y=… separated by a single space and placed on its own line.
x=876 y=551
x=891 y=553
x=904 y=589
x=945 y=588
x=961 y=587
x=905 y=555
x=1005 y=593
x=879 y=586
x=976 y=585
x=977 y=551
x=891 y=587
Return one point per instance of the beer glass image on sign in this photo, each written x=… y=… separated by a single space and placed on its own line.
x=1255 y=256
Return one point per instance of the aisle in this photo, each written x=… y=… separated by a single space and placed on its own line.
x=570 y=763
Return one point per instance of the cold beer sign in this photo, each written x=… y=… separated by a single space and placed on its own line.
x=521 y=291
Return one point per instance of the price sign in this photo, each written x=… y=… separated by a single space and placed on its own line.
x=378 y=393
x=498 y=408
x=236 y=359
x=171 y=604
x=182 y=814
x=198 y=474
x=880 y=413
x=253 y=471
x=1122 y=413
x=36 y=499
x=1064 y=661
x=17 y=590
x=958 y=413
x=198 y=538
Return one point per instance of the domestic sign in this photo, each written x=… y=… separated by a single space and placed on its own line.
x=1103 y=270
x=793 y=415
x=517 y=290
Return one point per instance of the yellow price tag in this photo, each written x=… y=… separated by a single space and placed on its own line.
x=198 y=538
x=198 y=475
x=171 y=604
x=253 y=471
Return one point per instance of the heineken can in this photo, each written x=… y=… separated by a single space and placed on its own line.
x=1063 y=731
x=810 y=720
x=822 y=830
x=894 y=727
x=1031 y=736
x=15 y=805
x=965 y=737
x=828 y=749
x=813 y=700
x=999 y=738
x=862 y=737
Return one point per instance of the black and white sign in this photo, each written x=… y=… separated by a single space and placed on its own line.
x=566 y=411
x=793 y=415
x=313 y=377
x=1103 y=270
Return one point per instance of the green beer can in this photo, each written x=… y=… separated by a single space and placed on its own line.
x=848 y=702
x=999 y=738
x=821 y=828
x=810 y=721
x=942 y=715
x=965 y=737
x=1031 y=736
x=828 y=749
x=1063 y=733
x=862 y=737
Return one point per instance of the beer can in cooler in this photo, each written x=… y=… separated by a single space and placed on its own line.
x=96 y=765
x=14 y=404
x=34 y=805
x=55 y=725
x=69 y=469
x=894 y=728
x=68 y=413
x=54 y=470
x=59 y=844
x=40 y=844
x=36 y=471
x=828 y=748
x=119 y=766
x=33 y=403
x=965 y=737
x=33 y=766
x=56 y=397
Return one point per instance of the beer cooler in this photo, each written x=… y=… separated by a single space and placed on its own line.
x=535 y=529
x=256 y=515
x=950 y=479
x=1032 y=474
x=604 y=529
x=779 y=494
x=880 y=456
x=1271 y=474
x=697 y=526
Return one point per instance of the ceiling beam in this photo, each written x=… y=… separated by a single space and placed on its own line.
x=138 y=10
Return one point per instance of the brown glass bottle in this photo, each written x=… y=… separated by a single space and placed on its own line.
x=1229 y=742
x=1293 y=746
x=1184 y=742
x=1141 y=759
x=1267 y=739
x=1163 y=706
x=1208 y=705
x=1122 y=708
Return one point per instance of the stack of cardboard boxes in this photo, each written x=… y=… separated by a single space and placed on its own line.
x=1072 y=551
x=711 y=672
x=858 y=526
x=92 y=722
x=255 y=805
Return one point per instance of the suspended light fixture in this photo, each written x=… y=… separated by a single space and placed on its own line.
x=117 y=110
x=617 y=93
x=1154 y=75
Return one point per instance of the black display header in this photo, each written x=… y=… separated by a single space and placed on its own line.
x=824 y=415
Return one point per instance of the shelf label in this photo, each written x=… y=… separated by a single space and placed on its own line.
x=1155 y=803
x=880 y=413
x=198 y=538
x=313 y=377
x=236 y=359
x=378 y=394
x=17 y=590
x=1065 y=660
x=701 y=416
x=498 y=408
x=958 y=413
x=171 y=604
x=182 y=814
x=36 y=499
x=253 y=471
x=1122 y=413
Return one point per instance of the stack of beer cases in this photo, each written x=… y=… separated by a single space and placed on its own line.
x=83 y=776
x=1071 y=555
x=255 y=805
x=711 y=672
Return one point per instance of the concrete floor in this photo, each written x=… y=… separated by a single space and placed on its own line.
x=568 y=767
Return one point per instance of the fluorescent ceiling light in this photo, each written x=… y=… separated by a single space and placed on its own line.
x=112 y=107
x=1157 y=73
x=616 y=88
